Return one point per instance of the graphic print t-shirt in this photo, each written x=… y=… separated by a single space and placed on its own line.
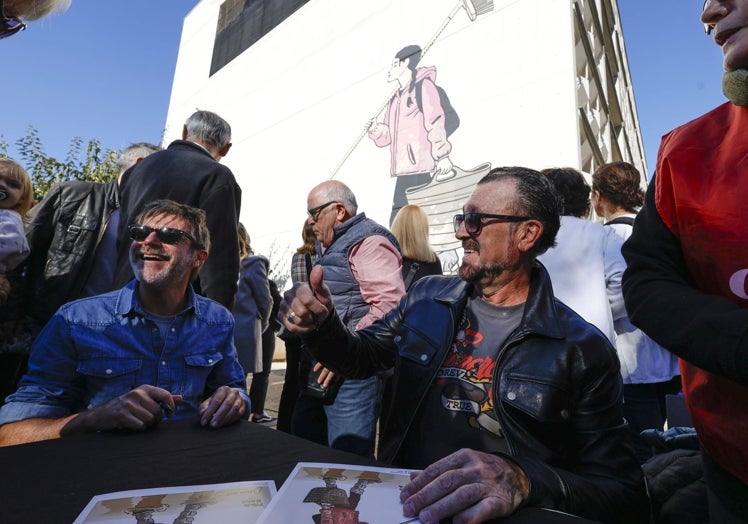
x=458 y=411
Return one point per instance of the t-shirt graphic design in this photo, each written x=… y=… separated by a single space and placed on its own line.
x=459 y=405
x=465 y=381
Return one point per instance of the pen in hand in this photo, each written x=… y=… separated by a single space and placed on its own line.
x=167 y=410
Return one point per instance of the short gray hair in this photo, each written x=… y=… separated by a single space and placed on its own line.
x=209 y=128
x=134 y=152
x=339 y=192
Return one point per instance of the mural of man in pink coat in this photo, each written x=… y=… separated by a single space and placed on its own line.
x=415 y=127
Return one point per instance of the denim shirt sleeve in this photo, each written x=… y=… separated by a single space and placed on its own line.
x=50 y=388
x=228 y=371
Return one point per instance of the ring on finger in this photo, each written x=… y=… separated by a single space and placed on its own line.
x=291 y=317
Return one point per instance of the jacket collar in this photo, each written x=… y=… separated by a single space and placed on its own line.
x=540 y=315
x=341 y=229
x=191 y=145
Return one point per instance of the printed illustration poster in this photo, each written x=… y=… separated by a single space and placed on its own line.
x=230 y=503
x=337 y=493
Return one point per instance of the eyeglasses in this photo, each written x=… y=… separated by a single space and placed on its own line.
x=9 y=25
x=166 y=235
x=474 y=221
x=315 y=211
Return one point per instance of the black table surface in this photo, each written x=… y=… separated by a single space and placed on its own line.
x=52 y=481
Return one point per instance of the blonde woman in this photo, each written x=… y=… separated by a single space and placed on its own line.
x=411 y=228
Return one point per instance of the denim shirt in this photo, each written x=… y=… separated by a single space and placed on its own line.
x=97 y=348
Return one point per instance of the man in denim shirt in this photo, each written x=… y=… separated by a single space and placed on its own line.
x=125 y=359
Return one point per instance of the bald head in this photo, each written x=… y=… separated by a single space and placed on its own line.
x=334 y=190
x=329 y=204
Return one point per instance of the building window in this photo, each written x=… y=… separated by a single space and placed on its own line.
x=241 y=23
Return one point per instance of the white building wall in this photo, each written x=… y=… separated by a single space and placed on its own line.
x=298 y=98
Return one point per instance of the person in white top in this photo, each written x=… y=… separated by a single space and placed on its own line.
x=649 y=371
x=586 y=265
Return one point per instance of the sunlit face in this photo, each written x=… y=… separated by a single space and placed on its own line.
x=11 y=188
x=327 y=214
x=162 y=265
x=493 y=250
x=728 y=21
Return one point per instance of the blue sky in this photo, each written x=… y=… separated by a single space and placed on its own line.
x=104 y=69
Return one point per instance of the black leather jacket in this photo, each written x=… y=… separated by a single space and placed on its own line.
x=556 y=387
x=64 y=231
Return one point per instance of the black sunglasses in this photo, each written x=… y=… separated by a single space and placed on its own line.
x=9 y=25
x=166 y=235
x=315 y=211
x=474 y=221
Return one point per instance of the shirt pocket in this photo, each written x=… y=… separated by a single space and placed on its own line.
x=544 y=401
x=108 y=377
x=197 y=369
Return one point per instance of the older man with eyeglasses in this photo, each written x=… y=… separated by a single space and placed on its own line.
x=503 y=394
x=127 y=359
x=363 y=269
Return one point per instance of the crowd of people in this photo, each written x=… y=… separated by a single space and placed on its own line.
x=527 y=379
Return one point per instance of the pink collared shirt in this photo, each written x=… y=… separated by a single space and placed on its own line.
x=377 y=266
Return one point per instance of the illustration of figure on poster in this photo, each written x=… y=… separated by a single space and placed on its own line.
x=417 y=123
x=337 y=506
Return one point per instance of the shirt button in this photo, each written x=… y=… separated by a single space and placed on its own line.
x=564 y=413
x=511 y=395
x=173 y=330
x=163 y=362
x=108 y=372
x=424 y=357
x=210 y=361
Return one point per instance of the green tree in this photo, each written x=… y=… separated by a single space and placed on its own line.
x=98 y=165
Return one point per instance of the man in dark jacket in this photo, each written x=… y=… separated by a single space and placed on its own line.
x=73 y=237
x=506 y=396
x=189 y=172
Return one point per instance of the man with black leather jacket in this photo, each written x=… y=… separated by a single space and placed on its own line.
x=73 y=247
x=503 y=394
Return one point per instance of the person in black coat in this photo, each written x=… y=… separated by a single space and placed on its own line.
x=189 y=172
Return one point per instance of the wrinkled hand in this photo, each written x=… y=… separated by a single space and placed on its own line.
x=4 y=289
x=468 y=485
x=137 y=410
x=325 y=376
x=224 y=407
x=306 y=306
